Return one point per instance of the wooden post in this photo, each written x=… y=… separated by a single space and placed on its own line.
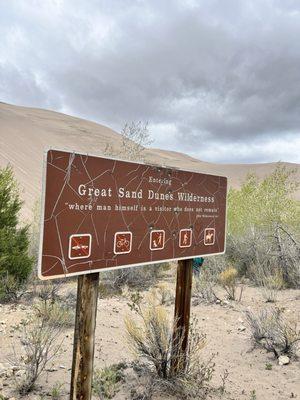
x=84 y=337
x=182 y=315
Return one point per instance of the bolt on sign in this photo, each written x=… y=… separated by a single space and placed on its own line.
x=101 y=213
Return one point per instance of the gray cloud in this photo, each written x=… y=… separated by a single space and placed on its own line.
x=207 y=75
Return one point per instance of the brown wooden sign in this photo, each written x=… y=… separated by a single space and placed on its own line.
x=102 y=213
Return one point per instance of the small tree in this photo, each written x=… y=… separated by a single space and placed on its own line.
x=263 y=226
x=15 y=263
x=135 y=137
x=264 y=204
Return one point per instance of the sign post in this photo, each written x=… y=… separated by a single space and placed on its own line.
x=181 y=315
x=101 y=214
x=84 y=337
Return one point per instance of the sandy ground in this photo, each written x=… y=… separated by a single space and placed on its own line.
x=226 y=337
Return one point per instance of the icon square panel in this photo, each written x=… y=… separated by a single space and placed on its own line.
x=122 y=242
x=209 y=236
x=80 y=246
x=185 y=238
x=157 y=239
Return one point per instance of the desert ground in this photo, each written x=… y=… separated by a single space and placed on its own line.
x=252 y=373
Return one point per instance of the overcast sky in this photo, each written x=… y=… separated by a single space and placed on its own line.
x=219 y=80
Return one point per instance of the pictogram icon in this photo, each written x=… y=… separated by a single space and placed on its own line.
x=80 y=246
x=185 y=238
x=123 y=242
x=209 y=236
x=157 y=240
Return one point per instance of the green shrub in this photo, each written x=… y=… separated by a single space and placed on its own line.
x=263 y=227
x=56 y=391
x=106 y=381
x=14 y=240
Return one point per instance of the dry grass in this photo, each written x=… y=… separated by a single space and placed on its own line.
x=39 y=348
x=271 y=331
x=150 y=338
x=228 y=279
x=271 y=284
x=56 y=314
x=204 y=288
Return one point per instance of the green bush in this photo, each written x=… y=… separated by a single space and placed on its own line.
x=15 y=262
x=263 y=227
x=106 y=381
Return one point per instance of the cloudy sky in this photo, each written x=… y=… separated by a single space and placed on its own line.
x=217 y=79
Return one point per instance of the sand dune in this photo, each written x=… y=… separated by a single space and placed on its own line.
x=25 y=133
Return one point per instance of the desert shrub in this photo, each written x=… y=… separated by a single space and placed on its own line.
x=204 y=284
x=70 y=298
x=40 y=346
x=56 y=314
x=151 y=339
x=15 y=262
x=106 y=381
x=214 y=266
x=271 y=284
x=110 y=287
x=135 y=137
x=204 y=287
x=12 y=289
x=55 y=392
x=141 y=277
x=263 y=221
x=228 y=279
x=253 y=395
x=271 y=331
x=48 y=290
x=163 y=293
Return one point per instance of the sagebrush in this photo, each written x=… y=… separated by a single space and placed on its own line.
x=273 y=332
x=151 y=338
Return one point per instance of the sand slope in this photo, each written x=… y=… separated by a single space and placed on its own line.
x=25 y=133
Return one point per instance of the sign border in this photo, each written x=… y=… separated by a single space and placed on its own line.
x=90 y=270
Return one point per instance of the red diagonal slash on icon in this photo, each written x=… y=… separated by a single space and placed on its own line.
x=80 y=247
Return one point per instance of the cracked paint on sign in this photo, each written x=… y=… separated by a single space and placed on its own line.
x=102 y=213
